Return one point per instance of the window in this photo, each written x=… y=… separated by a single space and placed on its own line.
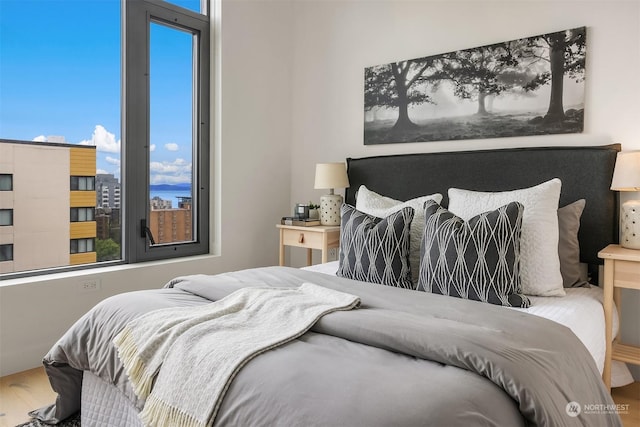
x=6 y=182
x=6 y=252
x=82 y=214
x=173 y=50
x=145 y=61
x=6 y=217
x=79 y=246
x=83 y=183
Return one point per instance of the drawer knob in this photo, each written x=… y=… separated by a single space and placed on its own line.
x=301 y=238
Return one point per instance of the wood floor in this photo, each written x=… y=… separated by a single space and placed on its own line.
x=24 y=391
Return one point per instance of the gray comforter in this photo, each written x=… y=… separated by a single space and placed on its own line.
x=405 y=358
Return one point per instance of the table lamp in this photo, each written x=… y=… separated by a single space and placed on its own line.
x=330 y=176
x=626 y=177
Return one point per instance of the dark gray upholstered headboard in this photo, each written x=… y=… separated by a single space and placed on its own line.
x=585 y=173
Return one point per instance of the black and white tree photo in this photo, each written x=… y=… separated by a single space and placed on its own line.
x=529 y=86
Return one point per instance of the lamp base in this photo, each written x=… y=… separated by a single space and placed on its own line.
x=630 y=224
x=330 y=209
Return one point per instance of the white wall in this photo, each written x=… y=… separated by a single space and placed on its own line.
x=252 y=179
x=335 y=40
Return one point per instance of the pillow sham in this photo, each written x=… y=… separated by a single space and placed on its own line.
x=540 y=263
x=478 y=259
x=568 y=244
x=375 y=249
x=372 y=203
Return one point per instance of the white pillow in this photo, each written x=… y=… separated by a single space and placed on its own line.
x=539 y=260
x=372 y=203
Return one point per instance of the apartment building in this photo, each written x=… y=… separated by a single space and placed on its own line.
x=107 y=191
x=47 y=205
x=172 y=225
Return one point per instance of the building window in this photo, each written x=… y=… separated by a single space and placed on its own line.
x=79 y=246
x=6 y=217
x=6 y=182
x=6 y=252
x=82 y=214
x=83 y=183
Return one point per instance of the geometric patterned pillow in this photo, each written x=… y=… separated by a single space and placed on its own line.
x=478 y=259
x=375 y=249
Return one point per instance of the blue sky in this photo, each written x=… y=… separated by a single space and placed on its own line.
x=60 y=77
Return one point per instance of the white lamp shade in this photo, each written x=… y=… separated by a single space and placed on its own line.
x=331 y=175
x=626 y=174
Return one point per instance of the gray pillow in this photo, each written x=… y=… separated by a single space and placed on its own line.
x=478 y=259
x=375 y=249
x=568 y=245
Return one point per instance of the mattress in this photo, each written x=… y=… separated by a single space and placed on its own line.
x=580 y=310
x=104 y=405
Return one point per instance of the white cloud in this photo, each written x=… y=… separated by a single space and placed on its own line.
x=101 y=171
x=103 y=140
x=112 y=160
x=163 y=167
x=51 y=138
x=170 y=179
x=178 y=165
x=152 y=147
x=172 y=146
x=175 y=172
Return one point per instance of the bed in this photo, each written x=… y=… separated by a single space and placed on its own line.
x=580 y=310
x=405 y=357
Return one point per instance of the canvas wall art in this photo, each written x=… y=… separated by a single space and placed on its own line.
x=529 y=86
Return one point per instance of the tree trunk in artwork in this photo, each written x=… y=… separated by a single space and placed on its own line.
x=482 y=110
x=403 y=123
x=556 y=56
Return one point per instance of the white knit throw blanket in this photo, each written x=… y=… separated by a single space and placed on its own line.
x=182 y=360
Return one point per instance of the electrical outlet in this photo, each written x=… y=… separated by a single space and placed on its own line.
x=333 y=254
x=90 y=285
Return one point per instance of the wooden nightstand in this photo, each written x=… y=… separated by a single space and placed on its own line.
x=319 y=237
x=621 y=270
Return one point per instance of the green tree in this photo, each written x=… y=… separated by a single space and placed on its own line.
x=107 y=250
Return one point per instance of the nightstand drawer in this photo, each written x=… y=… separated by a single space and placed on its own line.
x=627 y=274
x=302 y=239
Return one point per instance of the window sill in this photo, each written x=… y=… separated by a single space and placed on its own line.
x=97 y=271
